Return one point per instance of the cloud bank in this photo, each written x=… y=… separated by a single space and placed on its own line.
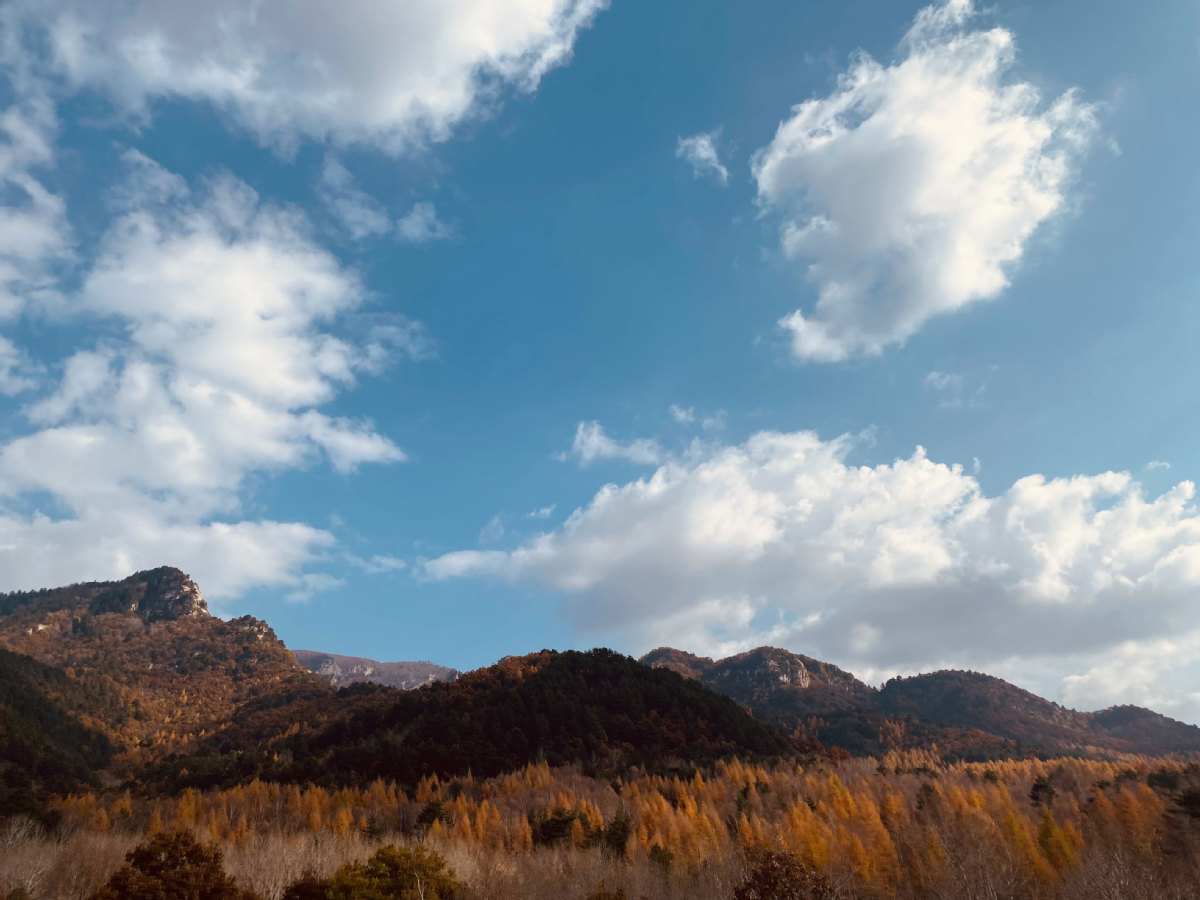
x=898 y=567
x=378 y=72
x=913 y=188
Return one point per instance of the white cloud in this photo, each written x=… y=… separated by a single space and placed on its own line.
x=391 y=337
x=34 y=233
x=380 y=564
x=683 y=416
x=943 y=381
x=1158 y=465
x=389 y=74
x=15 y=369
x=363 y=217
x=591 y=443
x=913 y=189
x=544 y=512
x=221 y=315
x=492 y=531
x=421 y=225
x=700 y=152
x=893 y=567
x=357 y=211
x=310 y=584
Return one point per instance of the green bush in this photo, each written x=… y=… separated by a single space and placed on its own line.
x=396 y=873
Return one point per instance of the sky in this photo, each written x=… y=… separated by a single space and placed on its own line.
x=454 y=329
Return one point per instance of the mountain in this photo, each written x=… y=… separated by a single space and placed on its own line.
x=145 y=687
x=341 y=671
x=772 y=682
x=133 y=682
x=172 y=672
x=598 y=708
x=964 y=714
x=975 y=700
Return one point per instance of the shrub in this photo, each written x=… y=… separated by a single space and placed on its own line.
x=309 y=887
x=783 y=876
x=396 y=873
x=172 y=865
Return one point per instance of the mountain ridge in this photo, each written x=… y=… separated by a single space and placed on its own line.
x=341 y=671
x=969 y=711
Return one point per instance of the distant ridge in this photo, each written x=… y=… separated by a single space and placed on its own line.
x=965 y=714
x=341 y=671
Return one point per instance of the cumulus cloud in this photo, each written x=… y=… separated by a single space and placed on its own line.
x=592 y=443
x=1158 y=465
x=222 y=346
x=543 y=512
x=700 y=152
x=895 y=567
x=683 y=416
x=913 y=189
x=388 y=74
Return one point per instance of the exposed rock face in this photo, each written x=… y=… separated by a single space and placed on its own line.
x=169 y=594
x=343 y=670
x=763 y=669
x=767 y=677
x=164 y=594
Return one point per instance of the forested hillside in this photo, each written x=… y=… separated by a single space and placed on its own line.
x=966 y=715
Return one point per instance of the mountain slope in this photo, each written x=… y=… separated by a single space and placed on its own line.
x=965 y=714
x=48 y=744
x=598 y=708
x=341 y=671
x=176 y=672
x=975 y=700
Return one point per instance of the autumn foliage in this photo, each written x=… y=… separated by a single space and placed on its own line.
x=905 y=826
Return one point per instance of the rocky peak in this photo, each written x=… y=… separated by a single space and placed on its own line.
x=256 y=627
x=760 y=669
x=156 y=595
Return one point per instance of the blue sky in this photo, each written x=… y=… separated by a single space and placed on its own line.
x=456 y=330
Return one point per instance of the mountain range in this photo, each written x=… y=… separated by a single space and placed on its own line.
x=135 y=683
x=966 y=715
